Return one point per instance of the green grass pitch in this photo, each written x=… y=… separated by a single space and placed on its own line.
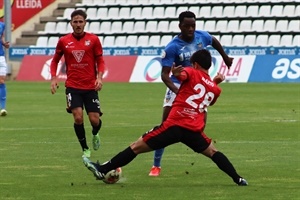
x=256 y=125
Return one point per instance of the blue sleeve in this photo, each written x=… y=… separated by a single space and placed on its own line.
x=169 y=56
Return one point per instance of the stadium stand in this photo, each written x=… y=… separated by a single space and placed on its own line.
x=121 y=23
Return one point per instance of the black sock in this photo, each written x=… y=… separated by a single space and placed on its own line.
x=121 y=159
x=225 y=165
x=96 y=129
x=80 y=133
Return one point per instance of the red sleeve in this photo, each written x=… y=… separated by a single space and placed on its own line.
x=99 y=56
x=55 y=60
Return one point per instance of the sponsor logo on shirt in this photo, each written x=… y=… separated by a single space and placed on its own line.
x=78 y=55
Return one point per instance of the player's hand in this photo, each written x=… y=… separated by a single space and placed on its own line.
x=6 y=45
x=176 y=70
x=98 y=84
x=228 y=61
x=54 y=85
x=219 y=78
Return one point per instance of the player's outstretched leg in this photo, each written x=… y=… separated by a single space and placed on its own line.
x=225 y=165
x=94 y=168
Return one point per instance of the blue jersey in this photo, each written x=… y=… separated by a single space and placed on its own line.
x=179 y=51
x=2 y=27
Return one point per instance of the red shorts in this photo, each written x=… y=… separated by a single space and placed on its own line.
x=164 y=135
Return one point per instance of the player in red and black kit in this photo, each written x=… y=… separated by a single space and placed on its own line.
x=184 y=124
x=84 y=68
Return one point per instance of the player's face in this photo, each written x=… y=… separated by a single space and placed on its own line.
x=187 y=28
x=78 y=24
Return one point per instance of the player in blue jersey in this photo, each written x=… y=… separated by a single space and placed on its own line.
x=178 y=51
x=3 y=71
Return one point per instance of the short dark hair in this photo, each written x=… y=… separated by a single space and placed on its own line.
x=185 y=14
x=202 y=57
x=78 y=12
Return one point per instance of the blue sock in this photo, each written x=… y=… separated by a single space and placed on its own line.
x=2 y=96
x=157 y=156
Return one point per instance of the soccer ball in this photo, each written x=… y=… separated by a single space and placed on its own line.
x=113 y=176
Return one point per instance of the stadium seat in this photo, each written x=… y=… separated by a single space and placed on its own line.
x=42 y=41
x=276 y=10
x=274 y=40
x=297 y=11
x=139 y=26
x=194 y=9
x=67 y=14
x=131 y=41
x=163 y=26
x=109 y=41
x=240 y=11
x=86 y=3
x=52 y=41
x=91 y=13
x=229 y=11
x=296 y=40
x=270 y=25
x=147 y=12
x=262 y=40
x=226 y=40
x=154 y=40
x=288 y=11
x=217 y=11
x=151 y=26
x=181 y=9
x=102 y=13
x=120 y=41
x=116 y=27
x=264 y=11
x=165 y=39
x=245 y=25
x=136 y=13
x=105 y=27
x=249 y=40
x=143 y=41
x=50 y=27
x=204 y=11
x=232 y=26
x=258 y=25
x=282 y=25
x=112 y=13
x=128 y=27
x=101 y=39
x=252 y=10
x=173 y=27
x=159 y=12
x=199 y=25
x=170 y=12
x=61 y=27
x=124 y=13
x=221 y=26
x=94 y=27
x=210 y=25
x=293 y=25
x=237 y=40
x=286 y=40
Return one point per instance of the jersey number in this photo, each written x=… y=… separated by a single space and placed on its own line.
x=208 y=98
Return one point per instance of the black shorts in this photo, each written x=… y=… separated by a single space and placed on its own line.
x=87 y=99
x=161 y=136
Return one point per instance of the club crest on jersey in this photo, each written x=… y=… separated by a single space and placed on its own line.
x=200 y=45
x=87 y=43
x=78 y=55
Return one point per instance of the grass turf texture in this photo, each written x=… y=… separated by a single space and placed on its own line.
x=256 y=125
